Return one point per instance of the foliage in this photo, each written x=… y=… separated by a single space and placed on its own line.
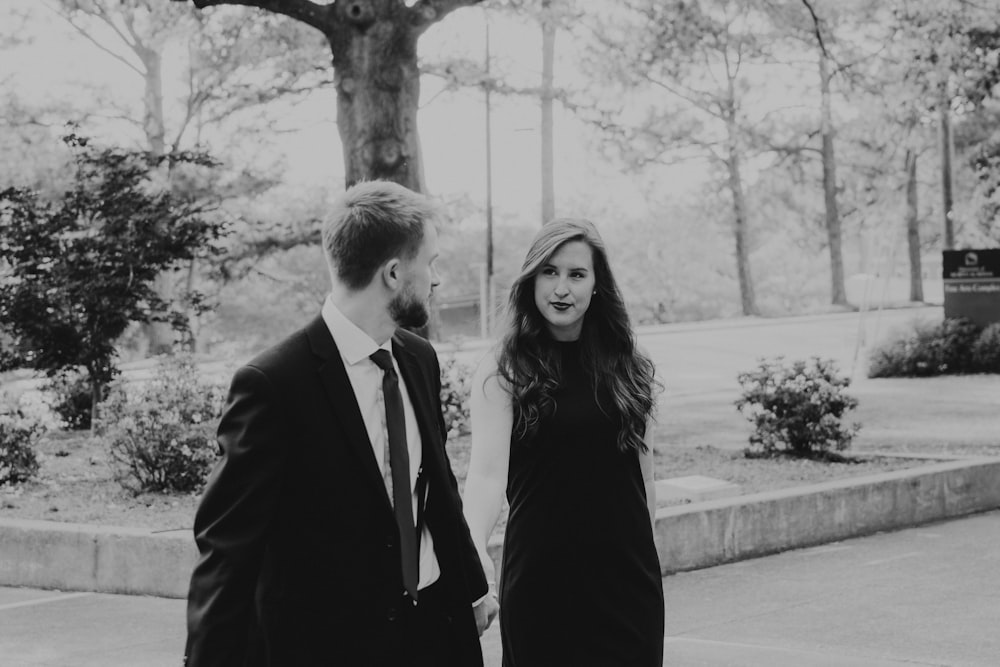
x=928 y=349
x=73 y=399
x=796 y=409
x=18 y=434
x=161 y=435
x=986 y=350
x=78 y=270
x=954 y=49
x=455 y=378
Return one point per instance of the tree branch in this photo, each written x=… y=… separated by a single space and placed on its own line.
x=321 y=17
x=816 y=24
x=424 y=13
x=100 y=46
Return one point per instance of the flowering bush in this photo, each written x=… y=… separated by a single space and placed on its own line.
x=455 y=378
x=796 y=409
x=18 y=434
x=161 y=434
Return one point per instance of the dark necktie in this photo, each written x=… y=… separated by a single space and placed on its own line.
x=399 y=462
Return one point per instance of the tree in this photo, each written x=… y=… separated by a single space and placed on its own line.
x=551 y=16
x=75 y=272
x=953 y=49
x=224 y=54
x=913 y=227
x=821 y=35
x=695 y=54
x=374 y=47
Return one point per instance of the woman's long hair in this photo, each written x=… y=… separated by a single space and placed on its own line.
x=528 y=360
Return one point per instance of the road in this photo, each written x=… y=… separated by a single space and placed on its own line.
x=923 y=596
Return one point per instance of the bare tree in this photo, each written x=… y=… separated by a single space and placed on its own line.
x=695 y=56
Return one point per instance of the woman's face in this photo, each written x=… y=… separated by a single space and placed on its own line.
x=564 y=286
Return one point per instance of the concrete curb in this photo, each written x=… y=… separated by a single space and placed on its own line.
x=721 y=531
x=47 y=554
x=104 y=559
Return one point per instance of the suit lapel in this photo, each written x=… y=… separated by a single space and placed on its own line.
x=338 y=388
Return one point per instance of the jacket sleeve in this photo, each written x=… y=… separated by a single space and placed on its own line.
x=475 y=579
x=232 y=521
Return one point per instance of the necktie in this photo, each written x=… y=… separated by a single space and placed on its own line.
x=399 y=462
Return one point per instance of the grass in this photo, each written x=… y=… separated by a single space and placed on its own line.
x=698 y=434
x=77 y=484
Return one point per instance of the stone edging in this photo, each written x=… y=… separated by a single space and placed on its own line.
x=47 y=554
x=725 y=530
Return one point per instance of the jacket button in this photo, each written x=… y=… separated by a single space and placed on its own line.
x=392 y=614
x=389 y=542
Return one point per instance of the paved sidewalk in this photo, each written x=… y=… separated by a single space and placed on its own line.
x=923 y=596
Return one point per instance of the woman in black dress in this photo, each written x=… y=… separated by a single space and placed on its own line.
x=559 y=422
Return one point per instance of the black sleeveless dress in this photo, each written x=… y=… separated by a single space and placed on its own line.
x=580 y=584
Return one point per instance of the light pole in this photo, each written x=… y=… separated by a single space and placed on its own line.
x=487 y=320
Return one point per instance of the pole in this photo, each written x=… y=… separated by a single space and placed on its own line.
x=488 y=307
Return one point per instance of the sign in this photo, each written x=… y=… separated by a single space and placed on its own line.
x=972 y=285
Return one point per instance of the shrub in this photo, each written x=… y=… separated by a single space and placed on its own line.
x=72 y=399
x=986 y=350
x=18 y=435
x=455 y=378
x=929 y=349
x=161 y=435
x=796 y=409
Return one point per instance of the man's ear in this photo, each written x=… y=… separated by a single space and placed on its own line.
x=390 y=273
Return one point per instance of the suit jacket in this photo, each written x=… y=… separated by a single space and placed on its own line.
x=300 y=558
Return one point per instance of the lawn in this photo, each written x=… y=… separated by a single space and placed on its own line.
x=697 y=435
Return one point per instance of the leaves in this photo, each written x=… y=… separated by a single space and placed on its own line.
x=796 y=408
x=77 y=271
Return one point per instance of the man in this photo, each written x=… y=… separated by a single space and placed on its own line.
x=306 y=558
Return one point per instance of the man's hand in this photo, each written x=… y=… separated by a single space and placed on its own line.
x=485 y=612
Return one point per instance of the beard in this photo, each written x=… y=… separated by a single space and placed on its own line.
x=408 y=311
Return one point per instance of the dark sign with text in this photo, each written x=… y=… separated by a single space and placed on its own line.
x=972 y=285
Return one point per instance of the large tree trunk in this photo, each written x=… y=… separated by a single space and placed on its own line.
x=374 y=45
x=548 y=65
x=378 y=90
x=913 y=228
x=838 y=293
x=748 y=299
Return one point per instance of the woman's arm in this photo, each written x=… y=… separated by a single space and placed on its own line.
x=648 y=476
x=486 y=482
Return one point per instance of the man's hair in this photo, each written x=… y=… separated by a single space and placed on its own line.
x=372 y=222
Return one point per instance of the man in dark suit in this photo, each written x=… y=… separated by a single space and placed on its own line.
x=306 y=558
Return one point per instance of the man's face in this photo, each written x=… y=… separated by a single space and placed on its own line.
x=409 y=308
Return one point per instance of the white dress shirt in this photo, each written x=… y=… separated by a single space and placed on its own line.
x=366 y=379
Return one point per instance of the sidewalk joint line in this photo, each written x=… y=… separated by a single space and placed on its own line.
x=57 y=598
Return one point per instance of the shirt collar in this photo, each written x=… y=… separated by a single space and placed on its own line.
x=354 y=344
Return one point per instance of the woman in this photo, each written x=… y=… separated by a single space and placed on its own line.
x=559 y=421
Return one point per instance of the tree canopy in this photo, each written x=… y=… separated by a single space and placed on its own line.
x=76 y=271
